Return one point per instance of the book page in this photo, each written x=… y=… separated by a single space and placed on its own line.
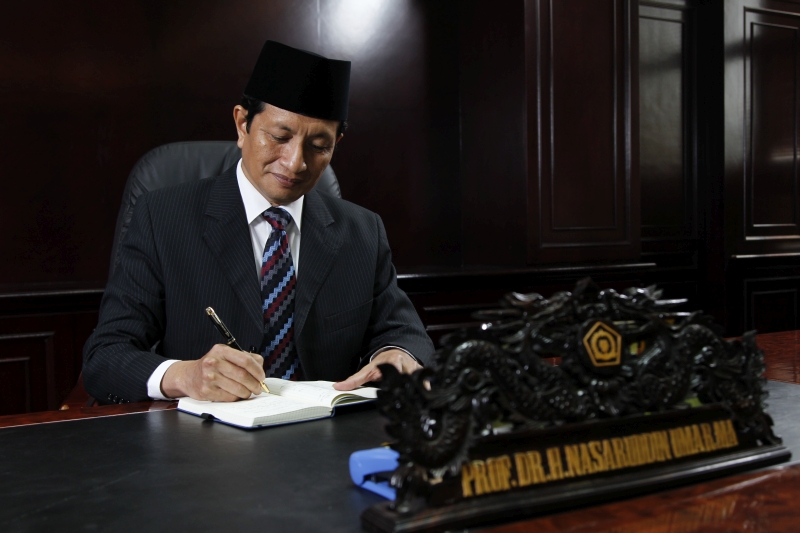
x=369 y=393
x=255 y=406
x=258 y=406
x=317 y=392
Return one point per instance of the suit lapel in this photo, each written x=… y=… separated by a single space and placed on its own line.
x=226 y=234
x=320 y=243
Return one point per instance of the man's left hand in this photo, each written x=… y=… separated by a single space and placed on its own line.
x=398 y=358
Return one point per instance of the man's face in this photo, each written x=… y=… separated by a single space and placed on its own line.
x=284 y=154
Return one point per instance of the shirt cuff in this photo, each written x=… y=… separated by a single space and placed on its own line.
x=154 y=382
x=385 y=348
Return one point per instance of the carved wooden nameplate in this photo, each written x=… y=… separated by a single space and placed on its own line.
x=643 y=399
x=548 y=458
x=515 y=476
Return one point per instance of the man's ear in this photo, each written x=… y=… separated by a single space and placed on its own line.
x=339 y=138
x=240 y=119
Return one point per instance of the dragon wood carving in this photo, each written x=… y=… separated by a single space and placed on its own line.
x=496 y=375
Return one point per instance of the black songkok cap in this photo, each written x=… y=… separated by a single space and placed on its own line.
x=301 y=82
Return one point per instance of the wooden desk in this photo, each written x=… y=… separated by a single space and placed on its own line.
x=43 y=417
x=782 y=353
x=759 y=501
x=762 y=501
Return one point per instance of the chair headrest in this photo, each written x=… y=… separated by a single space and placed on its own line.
x=181 y=162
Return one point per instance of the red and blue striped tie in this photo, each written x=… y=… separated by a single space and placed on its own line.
x=278 y=281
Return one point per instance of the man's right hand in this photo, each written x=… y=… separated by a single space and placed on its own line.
x=221 y=375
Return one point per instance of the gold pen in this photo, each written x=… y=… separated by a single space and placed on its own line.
x=229 y=339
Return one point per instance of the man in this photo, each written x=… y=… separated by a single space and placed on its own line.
x=329 y=309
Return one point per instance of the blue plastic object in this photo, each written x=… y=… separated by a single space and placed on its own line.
x=364 y=464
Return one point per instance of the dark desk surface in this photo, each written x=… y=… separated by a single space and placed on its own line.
x=129 y=473
x=170 y=471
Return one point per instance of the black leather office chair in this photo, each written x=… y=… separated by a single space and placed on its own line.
x=182 y=162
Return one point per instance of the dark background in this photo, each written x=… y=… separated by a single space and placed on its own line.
x=512 y=145
x=91 y=86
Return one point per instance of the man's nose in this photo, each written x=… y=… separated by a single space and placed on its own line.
x=294 y=157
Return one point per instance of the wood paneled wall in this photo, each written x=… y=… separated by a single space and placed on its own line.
x=667 y=124
x=100 y=83
x=760 y=156
x=583 y=173
x=514 y=145
x=761 y=151
x=493 y=150
x=668 y=146
x=514 y=124
x=41 y=339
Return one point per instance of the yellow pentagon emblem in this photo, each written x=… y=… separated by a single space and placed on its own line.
x=603 y=344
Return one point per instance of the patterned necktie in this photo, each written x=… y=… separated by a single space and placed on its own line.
x=278 y=282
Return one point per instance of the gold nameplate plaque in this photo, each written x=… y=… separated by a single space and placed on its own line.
x=540 y=459
x=578 y=460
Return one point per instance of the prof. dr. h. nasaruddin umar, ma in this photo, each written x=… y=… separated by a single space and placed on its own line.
x=303 y=277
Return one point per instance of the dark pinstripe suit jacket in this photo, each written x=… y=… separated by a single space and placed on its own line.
x=188 y=247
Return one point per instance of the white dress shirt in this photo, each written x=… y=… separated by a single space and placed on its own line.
x=254 y=205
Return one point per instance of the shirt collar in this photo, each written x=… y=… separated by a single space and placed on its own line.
x=255 y=203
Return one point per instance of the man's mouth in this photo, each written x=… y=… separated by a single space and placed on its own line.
x=285 y=181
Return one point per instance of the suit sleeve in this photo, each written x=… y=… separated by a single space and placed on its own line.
x=393 y=320
x=117 y=360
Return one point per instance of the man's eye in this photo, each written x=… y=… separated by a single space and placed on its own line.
x=279 y=139
x=320 y=148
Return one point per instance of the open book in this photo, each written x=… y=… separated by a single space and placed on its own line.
x=287 y=402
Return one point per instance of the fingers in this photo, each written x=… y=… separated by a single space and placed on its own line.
x=228 y=390
x=365 y=375
x=409 y=365
x=223 y=374
x=253 y=363
x=403 y=362
x=230 y=377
